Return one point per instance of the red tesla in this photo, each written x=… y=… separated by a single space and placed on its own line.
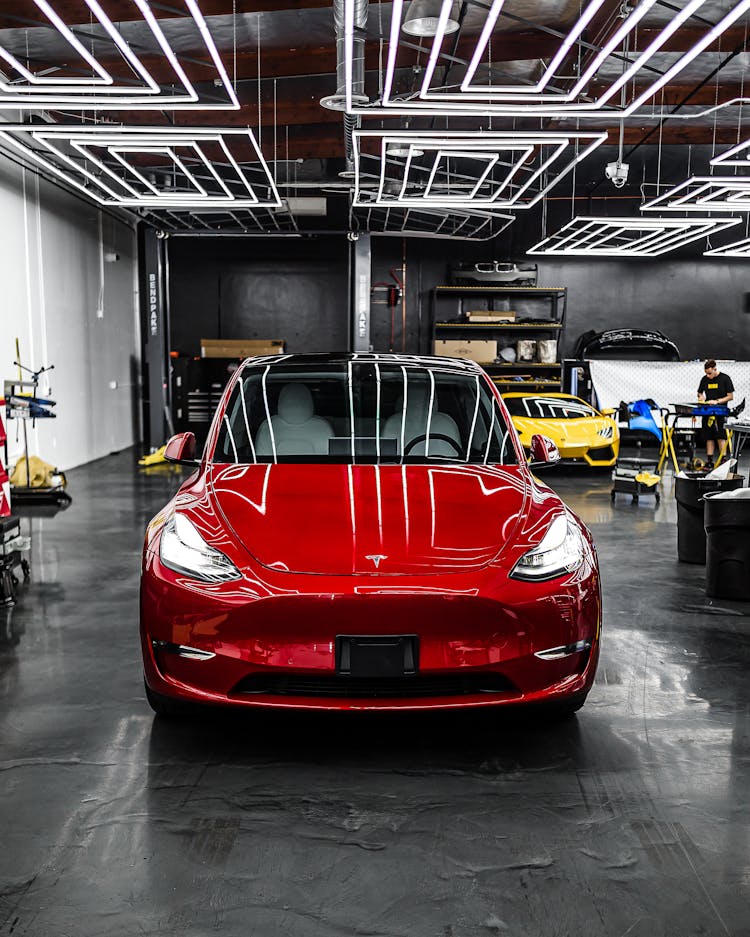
x=363 y=532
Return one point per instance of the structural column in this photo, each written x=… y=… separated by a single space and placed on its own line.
x=360 y=293
x=154 y=336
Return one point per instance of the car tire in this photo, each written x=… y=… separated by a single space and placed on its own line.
x=558 y=712
x=165 y=705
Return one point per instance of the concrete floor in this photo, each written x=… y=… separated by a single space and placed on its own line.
x=631 y=819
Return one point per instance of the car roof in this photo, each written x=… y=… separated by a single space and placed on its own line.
x=458 y=365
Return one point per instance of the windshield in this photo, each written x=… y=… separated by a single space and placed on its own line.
x=548 y=408
x=362 y=412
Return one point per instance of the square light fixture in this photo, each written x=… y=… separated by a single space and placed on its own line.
x=737 y=249
x=96 y=65
x=150 y=167
x=478 y=93
x=493 y=170
x=455 y=225
x=214 y=222
x=738 y=156
x=627 y=237
x=704 y=193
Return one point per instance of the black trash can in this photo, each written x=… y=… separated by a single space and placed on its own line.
x=727 y=522
x=689 y=492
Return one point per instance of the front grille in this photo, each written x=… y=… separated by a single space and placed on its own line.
x=602 y=455
x=331 y=685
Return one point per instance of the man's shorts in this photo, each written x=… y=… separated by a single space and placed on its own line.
x=712 y=427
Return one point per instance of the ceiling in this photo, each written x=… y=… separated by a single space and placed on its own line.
x=280 y=58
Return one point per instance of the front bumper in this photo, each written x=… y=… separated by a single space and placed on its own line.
x=477 y=647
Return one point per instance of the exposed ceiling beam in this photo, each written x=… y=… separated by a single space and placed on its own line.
x=75 y=12
x=324 y=139
x=297 y=101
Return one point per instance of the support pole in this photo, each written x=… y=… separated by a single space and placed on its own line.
x=155 y=350
x=360 y=291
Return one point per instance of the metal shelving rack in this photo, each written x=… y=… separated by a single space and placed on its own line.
x=535 y=375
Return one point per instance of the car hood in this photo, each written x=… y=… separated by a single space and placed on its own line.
x=568 y=432
x=367 y=519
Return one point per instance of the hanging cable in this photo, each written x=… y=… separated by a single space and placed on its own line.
x=716 y=112
x=234 y=45
x=260 y=122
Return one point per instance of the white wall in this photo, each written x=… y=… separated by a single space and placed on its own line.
x=53 y=279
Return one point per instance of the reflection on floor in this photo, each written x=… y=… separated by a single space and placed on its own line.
x=631 y=819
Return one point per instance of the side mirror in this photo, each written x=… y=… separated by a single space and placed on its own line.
x=608 y=411
x=181 y=449
x=543 y=451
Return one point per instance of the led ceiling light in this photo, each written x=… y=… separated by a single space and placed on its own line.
x=627 y=237
x=480 y=96
x=224 y=222
x=425 y=223
x=423 y=17
x=149 y=167
x=497 y=170
x=737 y=249
x=81 y=79
x=738 y=156
x=705 y=193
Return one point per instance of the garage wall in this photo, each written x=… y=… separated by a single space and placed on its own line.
x=54 y=279
x=284 y=288
x=686 y=298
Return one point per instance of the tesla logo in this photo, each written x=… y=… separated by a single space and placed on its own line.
x=376 y=558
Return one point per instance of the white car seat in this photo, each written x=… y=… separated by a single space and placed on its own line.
x=296 y=429
x=415 y=424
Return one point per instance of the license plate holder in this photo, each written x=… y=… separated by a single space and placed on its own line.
x=381 y=655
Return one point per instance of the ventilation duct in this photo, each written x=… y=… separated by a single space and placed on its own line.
x=337 y=101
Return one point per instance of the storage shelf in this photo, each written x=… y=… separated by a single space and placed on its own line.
x=518 y=326
x=531 y=290
x=523 y=365
x=539 y=383
x=545 y=304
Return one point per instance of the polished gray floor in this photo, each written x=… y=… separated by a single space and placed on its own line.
x=630 y=820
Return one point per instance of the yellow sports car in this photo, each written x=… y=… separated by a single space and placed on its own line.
x=578 y=430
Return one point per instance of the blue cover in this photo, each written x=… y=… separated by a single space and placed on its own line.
x=714 y=409
x=642 y=417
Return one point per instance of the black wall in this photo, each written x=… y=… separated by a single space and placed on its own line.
x=280 y=288
x=698 y=303
x=296 y=289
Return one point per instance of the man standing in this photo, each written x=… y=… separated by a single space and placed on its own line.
x=714 y=388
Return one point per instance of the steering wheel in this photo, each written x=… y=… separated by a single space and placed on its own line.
x=441 y=436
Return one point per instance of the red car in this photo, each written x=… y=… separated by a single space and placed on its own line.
x=363 y=532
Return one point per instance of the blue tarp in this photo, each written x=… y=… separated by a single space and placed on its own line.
x=642 y=417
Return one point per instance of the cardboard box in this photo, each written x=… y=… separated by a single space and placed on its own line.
x=240 y=347
x=491 y=315
x=481 y=351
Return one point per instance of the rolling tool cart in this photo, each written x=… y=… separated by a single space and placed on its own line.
x=636 y=477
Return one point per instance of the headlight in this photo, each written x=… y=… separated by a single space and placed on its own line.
x=184 y=550
x=606 y=432
x=560 y=551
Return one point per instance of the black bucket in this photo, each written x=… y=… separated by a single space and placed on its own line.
x=689 y=492
x=727 y=522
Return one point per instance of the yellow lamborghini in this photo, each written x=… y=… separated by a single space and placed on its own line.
x=578 y=430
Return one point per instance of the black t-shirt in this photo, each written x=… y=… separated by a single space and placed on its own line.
x=716 y=387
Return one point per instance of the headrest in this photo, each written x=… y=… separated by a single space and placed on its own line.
x=417 y=398
x=295 y=403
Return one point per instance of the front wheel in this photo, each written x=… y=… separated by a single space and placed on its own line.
x=165 y=705
x=565 y=709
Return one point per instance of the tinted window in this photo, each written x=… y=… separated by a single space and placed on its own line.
x=362 y=412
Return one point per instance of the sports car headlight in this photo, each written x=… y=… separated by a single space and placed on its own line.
x=184 y=550
x=606 y=432
x=560 y=551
